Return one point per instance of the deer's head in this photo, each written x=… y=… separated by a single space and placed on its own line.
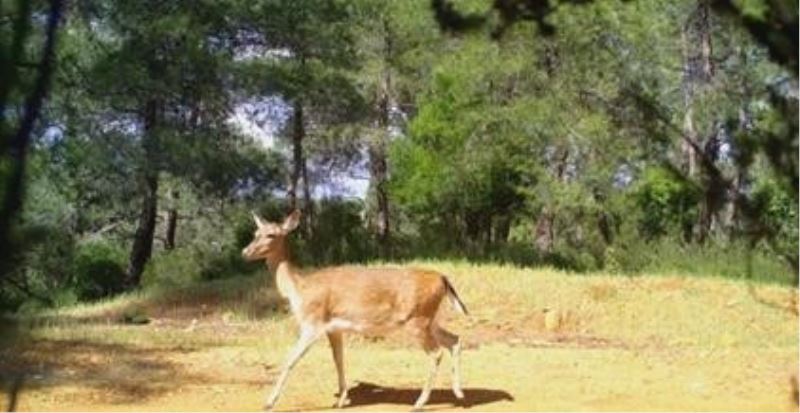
x=269 y=240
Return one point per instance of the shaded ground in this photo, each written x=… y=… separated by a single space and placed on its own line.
x=561 y=344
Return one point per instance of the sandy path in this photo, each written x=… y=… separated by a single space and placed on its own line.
x=93 y=374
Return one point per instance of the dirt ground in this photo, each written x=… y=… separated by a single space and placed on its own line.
x=515 y=359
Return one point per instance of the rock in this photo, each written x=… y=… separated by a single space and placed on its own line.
x=552 y=320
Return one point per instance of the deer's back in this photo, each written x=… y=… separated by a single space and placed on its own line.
x=372 y=299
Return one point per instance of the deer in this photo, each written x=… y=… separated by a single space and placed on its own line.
x=339 y=300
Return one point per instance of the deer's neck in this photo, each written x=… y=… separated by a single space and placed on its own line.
x=288 y=281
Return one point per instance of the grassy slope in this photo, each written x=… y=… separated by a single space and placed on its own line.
x=536 y=340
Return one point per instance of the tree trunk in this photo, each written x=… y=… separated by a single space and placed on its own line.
x=474 y=229
x=300 y=170
x=142 y=248
x=715 y=189
x=698 y=72
x=704 y=32
x=472 y=226
x=378 y=176
x=698 y=69
x=172 y=221
x=710 y=150
x=739 y=181
x=14 y=144
x=604 y=225
x=308 y=204
x=298 y=133
x=688 y=154
x=544 y=234
x=502 y=227
x=703 y=226
x=376 y=148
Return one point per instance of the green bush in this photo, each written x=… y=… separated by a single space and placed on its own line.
x=184 y=266
x=225 y=264
x=670 y=256
x=339 y=235
x=571 y=259
x=172 y=268
x=97 y=270
x=778 y=212
x=665 y=202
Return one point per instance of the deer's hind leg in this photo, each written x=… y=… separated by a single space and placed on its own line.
x=431 y=346
x=452 y=343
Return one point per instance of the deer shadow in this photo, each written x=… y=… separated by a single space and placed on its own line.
x=365 y=394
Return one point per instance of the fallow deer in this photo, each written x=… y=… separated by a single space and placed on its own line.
x=334 y=301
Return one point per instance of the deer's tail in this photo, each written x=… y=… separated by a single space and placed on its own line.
x=453 y=297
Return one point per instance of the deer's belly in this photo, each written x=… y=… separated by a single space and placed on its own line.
x=361 y=326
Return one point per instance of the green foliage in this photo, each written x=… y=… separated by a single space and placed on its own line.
x=225 y=264
x=339 y=235
x=177 y=268
x=666 y=202
x=779 y=218
x=455 y=162
x=189 y=265
x=97 y=270
x=669 y=256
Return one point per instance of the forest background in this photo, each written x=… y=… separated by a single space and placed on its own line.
x=628 y=137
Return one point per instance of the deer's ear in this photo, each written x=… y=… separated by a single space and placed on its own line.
x=259 y=222
x=291 y=221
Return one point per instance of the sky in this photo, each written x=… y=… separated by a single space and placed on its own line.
x=262 y=119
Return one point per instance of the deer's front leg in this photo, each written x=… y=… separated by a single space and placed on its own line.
x=308 y=335
x=337 y=347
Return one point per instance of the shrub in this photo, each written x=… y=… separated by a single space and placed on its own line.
x=172 y=268
x=97 y=270
x=184 y=266
x=778 y=212
x=670 y=256
x=225 y=264
x=666 y=201
x=338 y=235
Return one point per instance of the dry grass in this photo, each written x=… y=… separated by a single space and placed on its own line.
x=536 y=340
